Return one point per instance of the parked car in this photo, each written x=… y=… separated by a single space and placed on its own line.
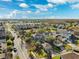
x=14 y=49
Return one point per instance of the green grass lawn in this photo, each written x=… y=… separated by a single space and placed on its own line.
x=56 y=57
x=17 y=57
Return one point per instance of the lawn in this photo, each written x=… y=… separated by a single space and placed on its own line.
x=56 y=57
x=17 y=57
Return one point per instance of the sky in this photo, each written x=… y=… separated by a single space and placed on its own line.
x=39 y=9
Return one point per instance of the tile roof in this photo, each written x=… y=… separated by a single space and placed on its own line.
x=70 y=56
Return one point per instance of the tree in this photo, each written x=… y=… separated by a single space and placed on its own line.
x=7 y=37
x=12 y=38
x=49 y=38
x=9 y=48
x=68 y=47
x=28 y=34
x=41 y=30
x=9 y=42
x=77 y=42
x=10 y=45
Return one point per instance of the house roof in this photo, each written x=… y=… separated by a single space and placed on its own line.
x=70 y=56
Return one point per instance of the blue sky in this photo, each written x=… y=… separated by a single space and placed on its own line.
x=39 y=9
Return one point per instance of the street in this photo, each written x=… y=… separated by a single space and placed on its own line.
x=22 y=51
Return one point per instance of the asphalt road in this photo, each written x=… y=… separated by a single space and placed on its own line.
x=22 y=51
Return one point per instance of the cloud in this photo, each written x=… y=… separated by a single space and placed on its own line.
x=75 y=6
x=49 y=17
x=19 y=0
x=62 y=1
x=37 y=12
x=57 y=1
x=1 y=16
x=15 y=13
x=29 y=11
x=23 y=5
x=50 y=5
x=6 y=0
x=73 y=1
x=44 y=7
x=11 y=0
x=12 y=14
x=1 y=8
x=44 y=17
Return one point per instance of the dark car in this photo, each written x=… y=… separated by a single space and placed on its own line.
x=15 y=50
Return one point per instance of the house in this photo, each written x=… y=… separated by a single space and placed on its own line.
x=38 y=36
x=2 y=40
x=71 y=55
x=58 y=42
x=2 y=34
x=73 y=38
x=47 y=46
x=24 y=26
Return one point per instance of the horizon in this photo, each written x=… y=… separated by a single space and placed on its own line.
x=56 y=20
